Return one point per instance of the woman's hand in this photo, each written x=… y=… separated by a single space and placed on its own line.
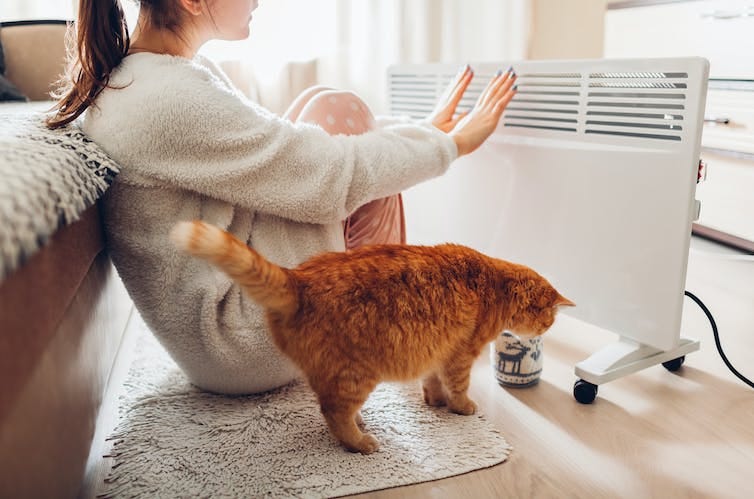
x=472 y=130
x=444 y=116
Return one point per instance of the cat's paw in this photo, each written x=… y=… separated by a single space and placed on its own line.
x=465 y=407
x=434 y=399
x=367 y=444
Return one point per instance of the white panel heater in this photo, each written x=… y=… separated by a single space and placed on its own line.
x=590 y=180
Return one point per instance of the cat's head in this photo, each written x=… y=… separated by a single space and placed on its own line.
x=533 y=303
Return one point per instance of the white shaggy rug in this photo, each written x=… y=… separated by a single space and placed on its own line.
x=176 y=441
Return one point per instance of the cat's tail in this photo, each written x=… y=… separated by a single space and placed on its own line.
x=266 y=283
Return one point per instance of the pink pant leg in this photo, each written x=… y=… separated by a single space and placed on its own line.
x=294 y=110
x=377 y=222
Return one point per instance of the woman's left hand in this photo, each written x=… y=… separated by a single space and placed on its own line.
x=444 y=116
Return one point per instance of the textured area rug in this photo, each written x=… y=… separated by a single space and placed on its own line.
x=176 y=441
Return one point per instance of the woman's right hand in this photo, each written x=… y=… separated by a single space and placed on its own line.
x=482 y=120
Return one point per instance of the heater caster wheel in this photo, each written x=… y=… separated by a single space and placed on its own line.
x=675 y=364
x=584 y=391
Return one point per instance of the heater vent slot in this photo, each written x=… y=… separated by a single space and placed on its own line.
x=636 y=84
x=644 y=75
x=636 y=115
x=645 y=105
x=545 y=101
x=659 y=126
x=542 y=127
x=416 y=94
x=631 y=104
x=567 y=76
x=513 y=107
x=632 y=134
x=636 y=95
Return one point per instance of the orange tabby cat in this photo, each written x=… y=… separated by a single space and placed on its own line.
x=383 y=313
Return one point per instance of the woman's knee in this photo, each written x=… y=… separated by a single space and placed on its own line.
x=338 y=112
x=294 y=111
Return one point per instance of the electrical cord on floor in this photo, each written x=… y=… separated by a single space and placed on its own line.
x=717 y=339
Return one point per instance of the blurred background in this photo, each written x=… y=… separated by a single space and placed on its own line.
x=350 y=43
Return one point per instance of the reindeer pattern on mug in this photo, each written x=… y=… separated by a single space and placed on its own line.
x=517 y=361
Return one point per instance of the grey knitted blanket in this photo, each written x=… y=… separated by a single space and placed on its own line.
x=47 y=179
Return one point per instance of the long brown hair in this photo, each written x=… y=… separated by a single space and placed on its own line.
x=98 y=45
x=101 y=42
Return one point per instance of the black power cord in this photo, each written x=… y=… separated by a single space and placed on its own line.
x=717 y=339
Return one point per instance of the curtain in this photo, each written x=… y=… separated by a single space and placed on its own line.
x=280 y=57
x=354 y=41
x=373 y=34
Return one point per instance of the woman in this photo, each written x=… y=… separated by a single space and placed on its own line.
x=192 y=147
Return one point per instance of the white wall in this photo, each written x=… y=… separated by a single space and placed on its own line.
x=14 y=10
x=567 y=29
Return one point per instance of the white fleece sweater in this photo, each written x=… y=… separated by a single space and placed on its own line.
x=192 y=147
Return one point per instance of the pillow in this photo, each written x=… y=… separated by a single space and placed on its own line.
x=8 y=91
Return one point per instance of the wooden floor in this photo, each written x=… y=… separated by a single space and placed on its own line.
x=650 y=434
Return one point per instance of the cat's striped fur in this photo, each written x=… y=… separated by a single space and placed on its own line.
x=352 y=319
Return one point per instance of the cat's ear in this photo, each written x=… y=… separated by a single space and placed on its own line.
x=562 y=301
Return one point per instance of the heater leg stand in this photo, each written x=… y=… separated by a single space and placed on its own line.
x=625 y=357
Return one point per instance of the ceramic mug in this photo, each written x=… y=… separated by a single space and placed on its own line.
x=517 y=361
